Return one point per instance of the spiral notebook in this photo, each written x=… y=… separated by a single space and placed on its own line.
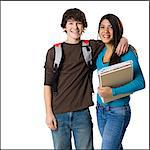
x=115 y=76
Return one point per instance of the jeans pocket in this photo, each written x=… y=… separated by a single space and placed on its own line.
x=84 y=117
x=86 y=114
x=60 y=120
x=124 y=110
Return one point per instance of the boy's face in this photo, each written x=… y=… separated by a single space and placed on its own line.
x=74 y=30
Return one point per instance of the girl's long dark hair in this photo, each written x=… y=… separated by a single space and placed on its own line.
x=117 y=34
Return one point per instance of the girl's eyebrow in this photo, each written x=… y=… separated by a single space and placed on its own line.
x=104 y=25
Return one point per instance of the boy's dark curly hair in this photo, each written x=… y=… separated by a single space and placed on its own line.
x=75 y=14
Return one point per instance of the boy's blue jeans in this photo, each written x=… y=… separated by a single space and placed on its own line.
x=80 y=124
x=112 y=123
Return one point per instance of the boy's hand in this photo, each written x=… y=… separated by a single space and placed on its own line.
x=122 y=46
x=51 y=121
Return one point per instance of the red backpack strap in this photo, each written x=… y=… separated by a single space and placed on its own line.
x=57 y=44
x=85 y=42
x=58 y=55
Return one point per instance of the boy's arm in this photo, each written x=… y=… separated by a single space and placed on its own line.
x=122 y=46
x=50 y=118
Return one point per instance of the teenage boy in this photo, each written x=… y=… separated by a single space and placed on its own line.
x=68 y=111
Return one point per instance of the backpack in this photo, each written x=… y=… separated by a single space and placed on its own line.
x=58 y=61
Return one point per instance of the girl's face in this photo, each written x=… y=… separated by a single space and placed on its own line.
x=106 y=32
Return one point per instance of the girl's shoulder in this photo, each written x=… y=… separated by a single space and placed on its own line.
x=132 y=52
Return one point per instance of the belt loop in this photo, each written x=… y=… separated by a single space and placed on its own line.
x=100 y=106
x=107 y=108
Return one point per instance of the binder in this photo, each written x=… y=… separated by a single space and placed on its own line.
x=115 y=76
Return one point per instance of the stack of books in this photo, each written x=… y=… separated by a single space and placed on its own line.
x=115 y=76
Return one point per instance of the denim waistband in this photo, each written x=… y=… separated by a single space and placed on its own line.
x=107 y=107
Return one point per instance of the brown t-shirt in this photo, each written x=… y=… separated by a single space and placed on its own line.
x=74 y=85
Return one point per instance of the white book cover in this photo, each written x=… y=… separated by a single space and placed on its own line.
x=115 y=66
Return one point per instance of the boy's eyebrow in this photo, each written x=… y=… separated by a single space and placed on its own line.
x=70 y=20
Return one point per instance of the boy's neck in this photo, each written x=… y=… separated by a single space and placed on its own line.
x=72 y=41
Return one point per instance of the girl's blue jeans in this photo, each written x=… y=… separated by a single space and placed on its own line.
x=79 y=124
x=112 y=124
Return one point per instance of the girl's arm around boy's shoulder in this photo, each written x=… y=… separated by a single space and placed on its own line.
x=138 y=82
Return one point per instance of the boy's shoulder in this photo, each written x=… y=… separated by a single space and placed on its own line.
x=54 y=45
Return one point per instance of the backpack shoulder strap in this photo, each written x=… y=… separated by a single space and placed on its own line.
x=56 y=66
x=57 y=56
x=87 y=52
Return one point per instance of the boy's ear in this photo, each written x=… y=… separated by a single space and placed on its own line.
x=83 y=30
x=64 y=29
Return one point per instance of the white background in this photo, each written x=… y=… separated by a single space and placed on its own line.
x=28 y=30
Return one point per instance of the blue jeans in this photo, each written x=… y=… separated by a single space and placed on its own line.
x=112 y=124
x=80 y=124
